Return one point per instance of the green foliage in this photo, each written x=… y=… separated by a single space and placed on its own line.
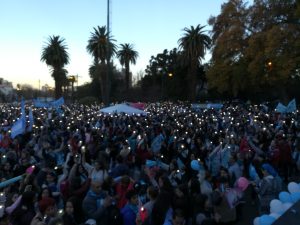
x=255 y=47
x=164 y=76
x=127 y=55
x=193 y=44
x=55 y=55
x=101 y=46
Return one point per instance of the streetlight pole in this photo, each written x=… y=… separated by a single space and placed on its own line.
x=108 y=56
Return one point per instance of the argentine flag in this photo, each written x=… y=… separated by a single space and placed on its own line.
x=18 y=127
x=281 y=108
x=291 y=107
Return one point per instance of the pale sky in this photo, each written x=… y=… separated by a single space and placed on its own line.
x=150 y=25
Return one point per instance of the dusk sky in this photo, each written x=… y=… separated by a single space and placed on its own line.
x=150 y=25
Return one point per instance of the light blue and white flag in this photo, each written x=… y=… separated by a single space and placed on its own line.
x=291 y=107
x=18 y=127
x=59 y=102
x=39 y=104
x=281 y=108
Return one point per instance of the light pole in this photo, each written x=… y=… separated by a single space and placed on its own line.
x=72 y=80
x=106 y=101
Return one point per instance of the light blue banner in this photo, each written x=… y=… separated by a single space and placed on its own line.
x=54 y=104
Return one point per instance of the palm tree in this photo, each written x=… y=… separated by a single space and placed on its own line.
x=102 y=48
x=194 y=44
x=55 y=55
x=127 y=55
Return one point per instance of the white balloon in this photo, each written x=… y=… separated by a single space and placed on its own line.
x=256 y=221
x=275 y=215
x=293 y=187
x=276 y=206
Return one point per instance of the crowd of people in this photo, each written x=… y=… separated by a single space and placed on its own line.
x=175 y=166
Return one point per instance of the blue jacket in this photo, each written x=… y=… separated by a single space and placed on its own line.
x=129 y=214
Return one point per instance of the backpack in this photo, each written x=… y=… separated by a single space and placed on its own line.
x=115 y=216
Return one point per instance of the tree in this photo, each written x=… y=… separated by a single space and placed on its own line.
x=274 y=46
x=194 y=44
x=255 y=48
x=55 y=55
x=165 y=74
x=229 y=38
x=101 y=46
x=127 y=55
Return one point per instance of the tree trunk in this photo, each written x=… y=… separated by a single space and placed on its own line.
x=104 y=78
x=192 y=81
x=127 y=80
x=58 y=90
x=102 y=74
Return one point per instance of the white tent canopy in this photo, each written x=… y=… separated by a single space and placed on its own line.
x=123 y=108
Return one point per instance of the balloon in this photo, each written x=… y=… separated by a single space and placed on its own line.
x=287 y=205
x=256 y=221
x=195 y=165
x=10 y=181
x=293 y=187
x=275 y=215
x=285 y=197
x=242 y=183
x=266 y=220
x=295 y=197
x=276 y=206
x=30 y=169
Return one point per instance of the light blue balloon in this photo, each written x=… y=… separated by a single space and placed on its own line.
x=195 y=165
x=285 y=197
x=295 y=197
x=266 y=220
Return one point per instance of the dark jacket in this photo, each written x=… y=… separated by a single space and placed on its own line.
x=93 y=208
x=22 y=215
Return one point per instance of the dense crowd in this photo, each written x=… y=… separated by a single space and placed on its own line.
x=174 y=166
